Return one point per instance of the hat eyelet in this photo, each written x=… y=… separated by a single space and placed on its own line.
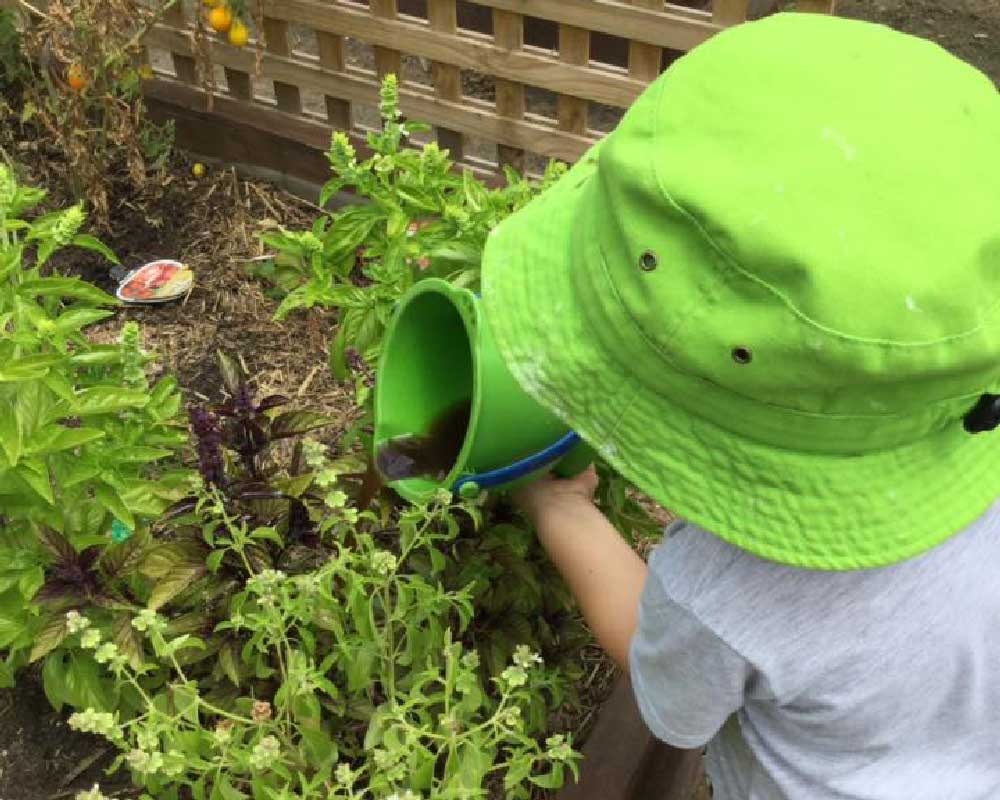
x=742 y=355
x=648 y=261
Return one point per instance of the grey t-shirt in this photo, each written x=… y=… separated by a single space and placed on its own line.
x=872 y=684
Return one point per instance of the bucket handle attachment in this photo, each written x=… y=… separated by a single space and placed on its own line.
x=469 y=486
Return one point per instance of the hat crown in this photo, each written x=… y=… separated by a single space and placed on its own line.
x=805 y=212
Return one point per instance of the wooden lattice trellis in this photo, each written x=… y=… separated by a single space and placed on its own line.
x=317 y=86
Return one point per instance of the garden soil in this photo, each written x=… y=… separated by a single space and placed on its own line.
x=210 y=225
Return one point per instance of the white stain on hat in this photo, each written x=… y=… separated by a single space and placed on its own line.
x=848 y=150
x=530 y=371
x=608 y=451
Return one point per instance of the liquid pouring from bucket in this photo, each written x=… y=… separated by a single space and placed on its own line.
x=448 y=413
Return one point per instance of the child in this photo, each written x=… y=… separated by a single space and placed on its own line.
x=771 y=298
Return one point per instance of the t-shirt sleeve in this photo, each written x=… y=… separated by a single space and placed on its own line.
x=687 y=681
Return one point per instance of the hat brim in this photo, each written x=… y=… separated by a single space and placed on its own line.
x=829 y=512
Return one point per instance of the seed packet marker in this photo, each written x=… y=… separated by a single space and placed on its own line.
x=156 y=282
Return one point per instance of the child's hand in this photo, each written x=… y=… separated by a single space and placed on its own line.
x=549 y=492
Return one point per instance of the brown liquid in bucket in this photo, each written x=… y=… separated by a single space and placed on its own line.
x=430 y=455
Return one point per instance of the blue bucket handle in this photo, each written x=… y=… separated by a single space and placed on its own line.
x=519 y=469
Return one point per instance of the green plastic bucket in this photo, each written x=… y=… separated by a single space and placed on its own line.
x=438 y=353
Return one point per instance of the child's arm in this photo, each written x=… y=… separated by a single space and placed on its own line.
x=603 y=572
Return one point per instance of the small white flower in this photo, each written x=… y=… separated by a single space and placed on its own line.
x=344 y=774
x=525 y=658
x=336 y=499
x=443 y=497
x=471 y=660
x=514 y=676
x=265 y=752
x=558 y=748
x=92 y=721
x=76 y=622
x=106 y=652
x=147 y=620
x=94 y=793
x=223 y=733
x=383 y=562
x=90 y=639
x=143 y=762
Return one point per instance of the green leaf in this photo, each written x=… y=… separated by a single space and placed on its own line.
x=35 y=473
x=107 y=399
x=67 y=287
x=92 y=243
x=214 y=560
x=128 y=639
x=52 y=634
x=229 y=661
x=10 y=435
x=519 y=769
x=99 y=355
x=553 y=780
x=27 y=369
x=107 y=495
x=266 y=534
x=136 y=454
x=233 y=375
x=55 y=438
x=162 y=560
x=293 y=423
x=222 y=789
x=321 y=749
x=338 y=350
x=168 y=587
x=30 y=582
x=76 y=319
x=54 y=680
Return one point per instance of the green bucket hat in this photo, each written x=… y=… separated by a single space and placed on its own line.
x=771 y=296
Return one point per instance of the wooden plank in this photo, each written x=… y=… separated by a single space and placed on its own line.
x=574 y=48
x=508 y=33
x=623 y=761
x=239 y=83
x=644 y=59
x=226 y=134
x=676 y=27
x=816 y=6
x=331 y=56
x=729 y=12
x=184 y=64
x=298 y=150
x=474 y=118
x=387 y=59
x=276 y=38
x=468 y=52
x=442 y=16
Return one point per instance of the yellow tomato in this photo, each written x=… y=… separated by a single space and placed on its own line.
x=220 y=18
x=198 y=170
x=238 y=34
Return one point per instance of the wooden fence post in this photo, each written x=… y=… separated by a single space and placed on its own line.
x=276 y=37
x=442 y=15
x=508 y=33
x=729 y=12
x=331 y=56
x=574 y=48
x=387 y=60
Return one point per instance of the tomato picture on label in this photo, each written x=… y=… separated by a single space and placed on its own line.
x=156 y=282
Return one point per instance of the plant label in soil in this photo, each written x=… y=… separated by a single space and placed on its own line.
x=156 y=282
